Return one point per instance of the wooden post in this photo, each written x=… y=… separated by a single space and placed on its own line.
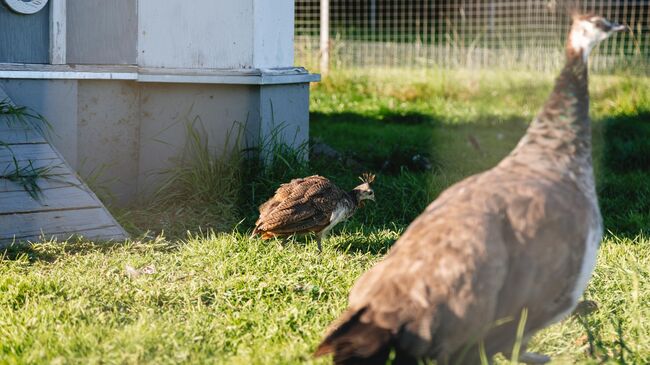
x=58 y=32
x=373 y=16
x=324 y=36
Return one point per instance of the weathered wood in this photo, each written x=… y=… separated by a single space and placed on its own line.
x=107 y=37
x=20 y=136
x=58 y=31
x=57 y=222
x=24 y=38
x=100 y=234
x=7 y=124
x=65 y=206
x=24 y=152
x=55 y=167
x=72 y=197
x=52 y=182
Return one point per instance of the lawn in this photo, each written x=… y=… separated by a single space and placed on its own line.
x=193 y=287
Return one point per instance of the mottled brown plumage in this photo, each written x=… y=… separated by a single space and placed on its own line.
x=311 y=204
x=523 y=235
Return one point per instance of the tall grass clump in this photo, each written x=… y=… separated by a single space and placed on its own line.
x=272 y=160
x=198 y=193
x=217 y=188
x=204 y=174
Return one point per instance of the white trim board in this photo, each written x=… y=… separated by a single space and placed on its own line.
x=293 y=75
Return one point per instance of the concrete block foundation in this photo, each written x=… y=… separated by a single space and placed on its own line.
x=121 y=134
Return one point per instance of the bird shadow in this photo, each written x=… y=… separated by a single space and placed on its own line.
x=364 y=240
x=624 y=176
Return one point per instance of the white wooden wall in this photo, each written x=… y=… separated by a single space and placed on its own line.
x=215 y=33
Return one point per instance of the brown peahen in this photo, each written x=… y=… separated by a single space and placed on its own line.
x=519 y=238
x=310 y=204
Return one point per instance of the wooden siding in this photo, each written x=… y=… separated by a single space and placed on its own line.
x=24 y=38
x=66 y=206
x=102 y=32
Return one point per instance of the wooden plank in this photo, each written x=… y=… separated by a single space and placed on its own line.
x=8 y=124
x=58 y=31
x=24 y=38
x=55 y=167
x=108 y=37
x=24 y=152
x=58 y=222
x=20 y=136
x=53 y=182
x=66 y=206
x=114 y=233
x=51 y=199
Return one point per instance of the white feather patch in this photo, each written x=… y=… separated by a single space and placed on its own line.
x=338 y=215
x=589 y=258
x=584 y=37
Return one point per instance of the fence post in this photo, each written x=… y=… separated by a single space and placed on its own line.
x=324 y=36
x=373 y=16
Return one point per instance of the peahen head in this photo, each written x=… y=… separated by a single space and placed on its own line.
x=364 y=191
x=588 y=30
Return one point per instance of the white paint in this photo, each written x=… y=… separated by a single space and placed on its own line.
x=196 y=34
x=67 y=75
x=102 y=32
x=26 y=6
x=232 y=77
x=58 y=32
x=283 y=115
x=222 y=34
x=273 y=31
x=324 y=36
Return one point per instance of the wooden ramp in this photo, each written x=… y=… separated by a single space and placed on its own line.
x=66 y=207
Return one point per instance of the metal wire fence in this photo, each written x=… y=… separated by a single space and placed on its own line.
x=474 y=34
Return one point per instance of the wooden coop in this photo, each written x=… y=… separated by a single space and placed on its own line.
x=119 y=80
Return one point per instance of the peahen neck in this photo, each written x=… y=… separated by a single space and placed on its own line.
x=560 y=135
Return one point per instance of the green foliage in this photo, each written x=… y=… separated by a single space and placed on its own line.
x=27 y=176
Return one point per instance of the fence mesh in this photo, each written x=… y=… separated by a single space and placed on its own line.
x=526 y=34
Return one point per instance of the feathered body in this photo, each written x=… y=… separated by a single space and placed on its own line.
x=523 y=235
x=310 y=204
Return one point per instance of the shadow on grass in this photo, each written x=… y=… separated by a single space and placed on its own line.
x=351 y=238
x=624 y=182
x=52 y=251
x=386 y=142
x=387 y=116
x=365 y=244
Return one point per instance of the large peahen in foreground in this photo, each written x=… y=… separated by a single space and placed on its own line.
x=519 y=238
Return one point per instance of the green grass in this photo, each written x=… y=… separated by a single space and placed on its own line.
x=225 y=298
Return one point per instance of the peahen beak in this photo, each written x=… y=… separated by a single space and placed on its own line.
x=619 y=27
